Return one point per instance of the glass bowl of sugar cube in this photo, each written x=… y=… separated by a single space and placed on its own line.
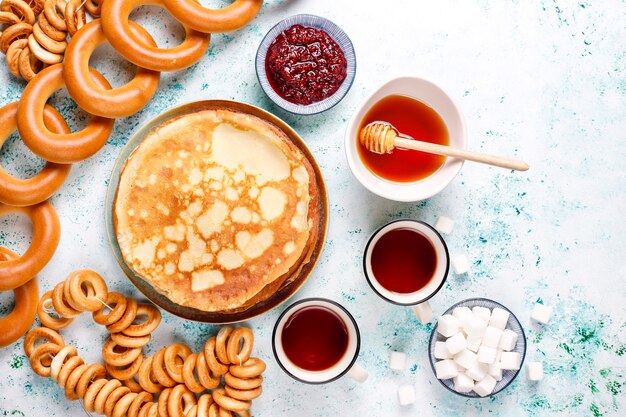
x=477 y=348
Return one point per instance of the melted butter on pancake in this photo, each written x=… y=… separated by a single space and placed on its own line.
x=224 y=208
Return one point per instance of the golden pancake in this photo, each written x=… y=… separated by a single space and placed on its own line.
x=216 y=209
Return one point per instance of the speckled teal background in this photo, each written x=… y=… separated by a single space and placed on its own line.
x=541 y=80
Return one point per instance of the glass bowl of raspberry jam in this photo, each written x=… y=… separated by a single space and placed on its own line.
x=306 y=64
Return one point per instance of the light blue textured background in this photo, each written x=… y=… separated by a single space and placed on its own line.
x=541 y=80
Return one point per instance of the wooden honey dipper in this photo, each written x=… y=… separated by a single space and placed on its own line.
x=382 y=137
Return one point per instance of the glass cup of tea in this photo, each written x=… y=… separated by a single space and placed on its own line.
x=317 y=341
x=406 y=262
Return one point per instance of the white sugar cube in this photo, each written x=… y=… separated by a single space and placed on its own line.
x=358 y=373
x=474 y=326
x=510 y=360
x=534 y=371
x=397 y=360
x=498 y=354
x=541 y=313
x=462 y=314
x=466 y=359
x=485 y=386
x=473 y=343
x=495 y=371
x=478 y=371
x=463 y=383
x=492 y=336
x=456 y=343
x=499 y=318
x=486 y=354
x=441 y=351
x=460 y=264
x=423 y=312
x=444 y=225
x=446 y=369
x=508 y=340
x=482 y=313
x=406 y=394
x=448 y=325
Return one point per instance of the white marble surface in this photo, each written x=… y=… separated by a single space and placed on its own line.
x=541 y=80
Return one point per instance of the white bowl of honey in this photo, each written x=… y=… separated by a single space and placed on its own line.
x=421 y=110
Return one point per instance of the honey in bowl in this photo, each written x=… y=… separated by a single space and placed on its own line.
x=411 y=118
x=315 y=338
x=403 y=260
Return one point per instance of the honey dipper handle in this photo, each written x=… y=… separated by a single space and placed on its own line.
x=499 y=161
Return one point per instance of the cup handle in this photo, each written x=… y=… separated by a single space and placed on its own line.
x=358 y=373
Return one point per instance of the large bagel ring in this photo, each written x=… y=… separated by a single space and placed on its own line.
x=16 y=272
x=119 y=102
x=115 y=24
x=18 y=192
x=54 y=147
x=15 y=324
x=198 y=17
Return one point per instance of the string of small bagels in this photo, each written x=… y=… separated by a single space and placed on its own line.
x=35 y=40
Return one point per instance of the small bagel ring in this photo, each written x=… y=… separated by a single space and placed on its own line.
x=243 y=383
x=144 y=376
x=51 y=31
x=180 y=401
x=88 y=279
x=74 y=16
x=60 y=304
x=117 y=30
x=66 y=352
x=127 y=318
x=120 y=409
x=231 y=404
x=94 y=372
x=19 y=192
x=119 y=102
x=203 y=19
x=221 y=340
x=204 y=402
x=41 y=333
x=112 y=399
x=29 y=64
x=172 y=353
x=20 y=8
x=123 y=358
x=130 y=341
x=13 y=56
x=141 y=399
x=46 y=231
x=45 y=317
x=235 y=354
x=12 y=33
x=217 y=368
x=188 y=374
x=37 y=7
x=54 y=147
x=243 y=395
x=42 y=54
x=158 y=370
x=144 y=328
x=8 y=18
x=15 y=324
x=123 y=373
x=55 y=13
x=94 y=7
x=40 y=356
x=252 y=368
x=49 y=44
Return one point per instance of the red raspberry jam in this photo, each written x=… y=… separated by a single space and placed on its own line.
x=305 y=65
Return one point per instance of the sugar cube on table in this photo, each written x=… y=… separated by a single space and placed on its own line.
x=460 y=264
x=482 y=313
x=444 y=225
x=473 y=343
x=541 y=313
x=534 y=371
x=446 y=369
x=510 y=360
x=463 y=383
x=406 y=394
x=499 y=318
x=508 y=340
x=358 y=373
x=397 y=360
x=474 y=326
x=466 y=359
x=423 y=312
x=478 y=371
x=492 y=336
x=448 y=325
x=495 y=371
x=485 y=386
x=441 y=351
x=486 y=354
x=456 y=343
x=462 y=314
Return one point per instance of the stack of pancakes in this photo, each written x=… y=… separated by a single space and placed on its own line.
x=217 y=210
